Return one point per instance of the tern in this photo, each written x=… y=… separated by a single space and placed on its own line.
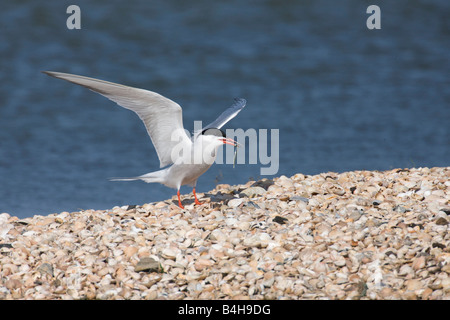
x=183 y=159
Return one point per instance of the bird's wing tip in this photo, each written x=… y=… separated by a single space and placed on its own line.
x=240 y=101
x=50 y=73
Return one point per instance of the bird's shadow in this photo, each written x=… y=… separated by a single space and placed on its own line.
x=220 y=197
x=263 y=183
x=215 y=199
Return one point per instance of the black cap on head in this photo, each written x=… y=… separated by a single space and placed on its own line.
x=213 y=132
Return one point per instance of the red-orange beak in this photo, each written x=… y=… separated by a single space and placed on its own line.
x=229 y=141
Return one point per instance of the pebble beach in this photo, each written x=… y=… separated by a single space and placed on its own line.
x=367 y=235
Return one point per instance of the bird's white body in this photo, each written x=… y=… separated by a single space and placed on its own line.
x=174 y=176
x=188 y=171
x=185 y=159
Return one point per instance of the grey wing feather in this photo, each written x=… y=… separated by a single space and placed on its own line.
x=160 y=115
x=228 y=114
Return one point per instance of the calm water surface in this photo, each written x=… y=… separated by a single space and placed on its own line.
x=343 y=97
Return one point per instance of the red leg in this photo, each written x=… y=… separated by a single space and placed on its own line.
x=179 y=200
x=196 y=200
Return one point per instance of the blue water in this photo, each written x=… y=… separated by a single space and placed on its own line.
x=343 y=97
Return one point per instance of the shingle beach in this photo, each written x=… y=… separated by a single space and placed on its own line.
x=352 y=235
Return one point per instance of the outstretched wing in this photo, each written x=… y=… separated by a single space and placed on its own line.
x=228 y=114
x=160 y=115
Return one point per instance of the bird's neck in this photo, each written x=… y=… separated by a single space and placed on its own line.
x=204 y=152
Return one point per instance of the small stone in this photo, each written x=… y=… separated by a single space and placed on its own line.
x=251 y=204
x=169 y=253
x=269 y=281
x=259 y=240
x=233 y=203
x=148 y=264
x=130 y=251
x=4 y=217
x=121 y=274
x=413 y=284
x=285 y=182
x=405 y=270
x=355 y=215
x=400 y=209
x=12 y=284
x=298 y=198
x=446 y=268
x=446 y=284
x=201 y=264
x=46 y=268
x=253 y=192
x=338 y=190
x=4 y=229
x=78 y=226
x=336 y=234
x=438 y=245
x=93 y=278
x=218 y=235
x=303 y=217
x=244 y=225
x=441 y=221
x=385 y=292
x=259 y=225
x=231 y=221
x=339 y=262
x=264 y=183
x=280 y=220
x=418 y=263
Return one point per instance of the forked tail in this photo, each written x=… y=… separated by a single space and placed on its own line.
x=156 y=176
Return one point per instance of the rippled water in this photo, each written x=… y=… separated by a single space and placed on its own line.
x=343 y=97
